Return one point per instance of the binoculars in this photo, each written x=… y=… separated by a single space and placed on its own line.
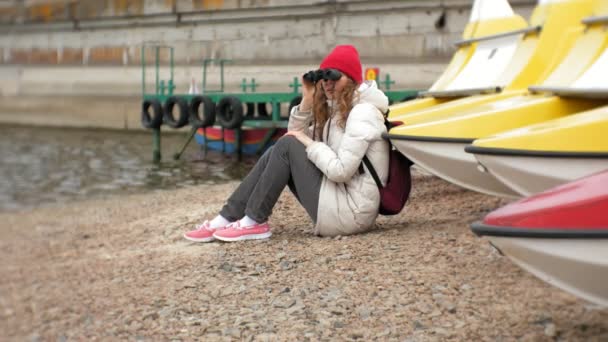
x=315 y=76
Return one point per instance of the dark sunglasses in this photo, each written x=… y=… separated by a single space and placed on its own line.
x=315 y=76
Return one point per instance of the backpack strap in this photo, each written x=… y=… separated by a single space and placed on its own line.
x=372 y=171
x=366 y=161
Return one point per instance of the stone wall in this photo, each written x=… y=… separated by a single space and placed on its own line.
x=112 y=32
x=90 y=47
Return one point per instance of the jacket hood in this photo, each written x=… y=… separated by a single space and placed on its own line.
x=369 y=93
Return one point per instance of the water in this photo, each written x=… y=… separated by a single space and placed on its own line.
x=39 y=166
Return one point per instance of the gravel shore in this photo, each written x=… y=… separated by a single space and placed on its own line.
x=119 y=269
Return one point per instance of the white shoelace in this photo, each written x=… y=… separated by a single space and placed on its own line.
x=205 y=225
x=235 y=225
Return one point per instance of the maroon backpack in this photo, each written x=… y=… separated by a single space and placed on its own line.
x=399 y=182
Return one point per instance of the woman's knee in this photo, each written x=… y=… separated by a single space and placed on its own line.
x=286 y=140
x=285 y=143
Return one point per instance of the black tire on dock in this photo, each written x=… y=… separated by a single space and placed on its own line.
x=250 y=113
x=263 y=112
x=229 y=112
x=294 y=102
x=208 y=115
x=155 y=119
x=183 y=109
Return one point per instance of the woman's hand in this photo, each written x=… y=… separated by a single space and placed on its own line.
x=308 y=91
x=303 y=138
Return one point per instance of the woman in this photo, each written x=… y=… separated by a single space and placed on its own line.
x=339 y=120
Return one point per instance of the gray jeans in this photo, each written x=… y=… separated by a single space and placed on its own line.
x=283 y=164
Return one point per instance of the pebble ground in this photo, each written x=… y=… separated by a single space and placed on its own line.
x=118 y=269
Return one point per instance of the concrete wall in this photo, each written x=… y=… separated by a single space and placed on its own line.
x=254 y=32
x=90 y=47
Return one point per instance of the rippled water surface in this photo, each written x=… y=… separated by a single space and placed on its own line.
x=49 y=165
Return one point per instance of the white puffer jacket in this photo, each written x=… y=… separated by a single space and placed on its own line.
x=349 y=200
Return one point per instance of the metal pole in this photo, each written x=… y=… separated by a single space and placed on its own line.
x=179 y=154
x=172 y=65
x=238 y=143
x=267 y=138
x=157 y=69
x=276 y=111
x=205 y=142
x=156 y=145
x=223 y=142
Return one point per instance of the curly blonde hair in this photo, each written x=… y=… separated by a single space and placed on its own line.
x=321 y=110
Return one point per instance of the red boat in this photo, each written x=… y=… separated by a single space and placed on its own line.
x=560 y=235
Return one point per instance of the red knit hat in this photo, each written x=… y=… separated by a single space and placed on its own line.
x=344 y=58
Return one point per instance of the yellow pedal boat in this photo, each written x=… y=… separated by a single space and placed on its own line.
x=493 y=27
x=539 y=157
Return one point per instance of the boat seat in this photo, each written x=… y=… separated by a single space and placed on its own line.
x=591 y=84
x=489 y=19
x=493 y=54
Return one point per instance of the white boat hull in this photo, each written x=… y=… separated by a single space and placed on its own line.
x=449 y=161
x=530 y=175
x=578 y=266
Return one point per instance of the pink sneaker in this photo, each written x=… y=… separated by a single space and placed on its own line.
x=234 y=232
x=202 y=233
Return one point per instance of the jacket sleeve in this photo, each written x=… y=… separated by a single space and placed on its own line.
x=363 y=126
x=300 y=121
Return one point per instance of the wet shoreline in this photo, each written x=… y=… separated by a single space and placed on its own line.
x=43 y=165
